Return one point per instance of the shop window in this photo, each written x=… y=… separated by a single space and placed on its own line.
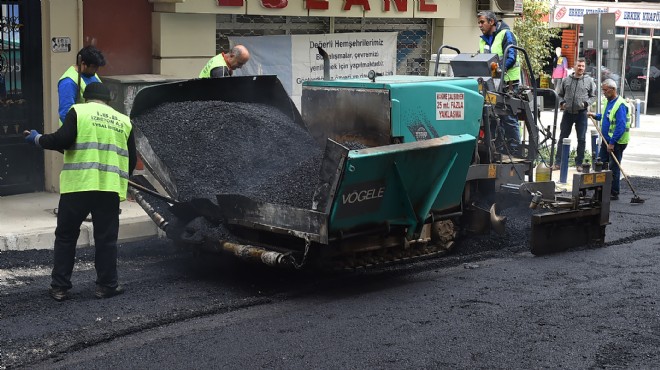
x=632 y=31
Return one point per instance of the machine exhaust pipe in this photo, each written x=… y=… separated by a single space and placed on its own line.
x=159 y=220
x=256 y=254
x=326 y=64
x=251 y=253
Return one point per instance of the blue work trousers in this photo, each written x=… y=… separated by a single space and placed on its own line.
x=511 y=128
x=604 y=157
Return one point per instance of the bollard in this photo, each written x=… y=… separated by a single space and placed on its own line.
x=637 y=113
x=594 y=147
x=565 y=153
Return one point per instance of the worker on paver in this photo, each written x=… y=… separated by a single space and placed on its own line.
x=224 y=65
x=99 y=157
x=576 y=93
x=496 y=37
x=615 y=127
x=71 y=85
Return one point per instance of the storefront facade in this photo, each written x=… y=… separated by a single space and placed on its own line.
x=634 y=61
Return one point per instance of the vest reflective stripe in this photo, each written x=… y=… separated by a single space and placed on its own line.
x=96 y=166
x=108 y=147
x=73 y=75
x=625 y=138
x=98 y=161
x=512 y=74
x=215 y=62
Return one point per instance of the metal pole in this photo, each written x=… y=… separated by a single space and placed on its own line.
x=599 y=61
x=565 y=152
x=594 y=148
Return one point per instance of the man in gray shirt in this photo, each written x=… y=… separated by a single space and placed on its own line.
x=576 y=93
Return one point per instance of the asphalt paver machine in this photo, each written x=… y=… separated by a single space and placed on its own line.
x=425 y=171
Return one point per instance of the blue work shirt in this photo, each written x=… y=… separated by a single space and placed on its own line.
x=621 y=119
x=67 y=89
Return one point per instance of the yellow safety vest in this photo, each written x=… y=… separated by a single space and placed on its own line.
x=513 y=73
x=625 y=138
x=215 y=62
x=98 y=161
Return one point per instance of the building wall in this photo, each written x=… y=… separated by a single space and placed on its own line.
x=60 y=18
x=461 y=32
x=182 y=43
x=122 y=30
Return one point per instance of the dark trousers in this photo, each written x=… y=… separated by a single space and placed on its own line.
x=567 y=120
x=511 y=128
x=506 y=132
x=72 y=211
x=605 y=157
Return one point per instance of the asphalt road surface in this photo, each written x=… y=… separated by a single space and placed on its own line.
x=499 y=307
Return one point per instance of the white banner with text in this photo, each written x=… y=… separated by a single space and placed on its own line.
x=296 y=58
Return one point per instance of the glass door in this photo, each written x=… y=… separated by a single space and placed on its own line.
x=636 y=67
x=653 y=101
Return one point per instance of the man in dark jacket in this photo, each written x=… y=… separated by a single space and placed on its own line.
x=576 y=93
x=99 y=157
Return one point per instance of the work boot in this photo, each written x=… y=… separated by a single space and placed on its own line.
x=58 y=294
x=614 y=197
x=106 y=292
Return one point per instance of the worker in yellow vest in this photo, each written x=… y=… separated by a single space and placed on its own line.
x=615 y=127
x=99 y=157
x=224 y=65
x=495 y=38
x=71 y=86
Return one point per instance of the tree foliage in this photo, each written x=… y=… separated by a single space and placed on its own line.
x=533 y=33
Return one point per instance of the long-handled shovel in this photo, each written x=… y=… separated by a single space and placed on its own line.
x=635 y=199
x=184 y=210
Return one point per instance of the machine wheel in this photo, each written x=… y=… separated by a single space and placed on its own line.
x=443 y=234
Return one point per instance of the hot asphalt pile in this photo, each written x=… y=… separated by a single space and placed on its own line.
x=214 y=147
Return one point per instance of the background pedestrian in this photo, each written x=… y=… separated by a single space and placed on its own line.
x=576 y=92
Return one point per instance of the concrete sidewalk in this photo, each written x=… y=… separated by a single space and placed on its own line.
x=27 y=221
